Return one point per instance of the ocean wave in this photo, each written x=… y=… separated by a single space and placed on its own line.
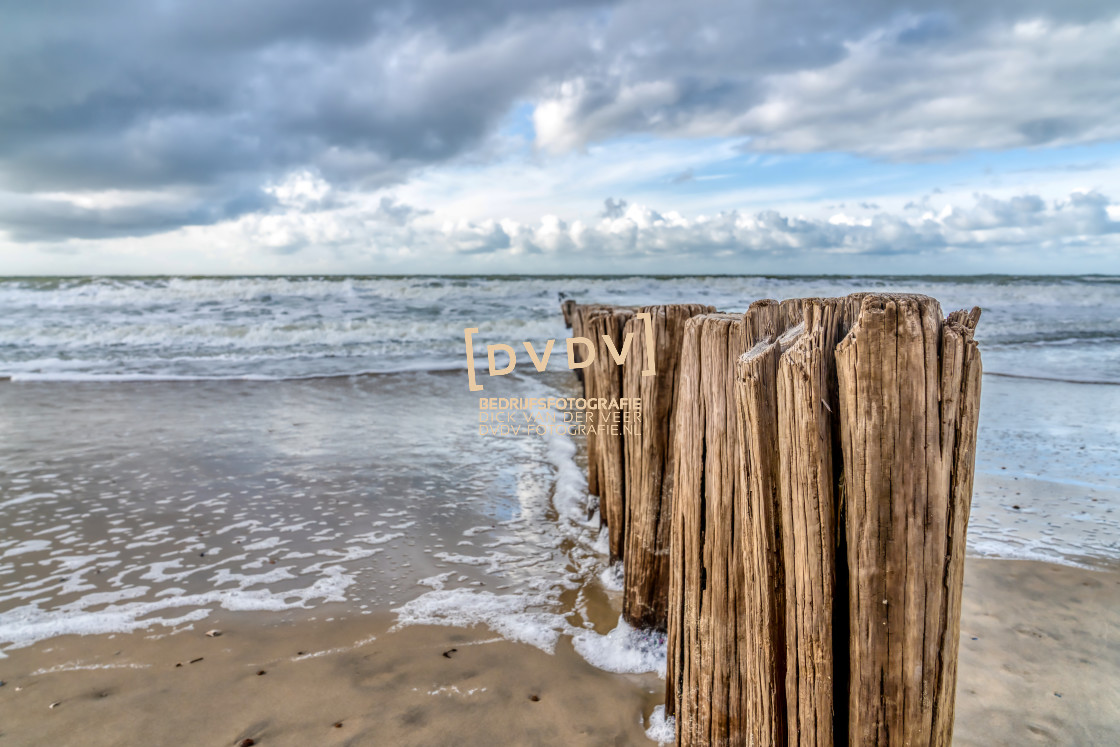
x=293 y=327
x=448 y=366
x=1096 y=382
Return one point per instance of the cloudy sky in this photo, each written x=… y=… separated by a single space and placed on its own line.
x=808 y=136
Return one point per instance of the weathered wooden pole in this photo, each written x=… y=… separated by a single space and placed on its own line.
x=909 y=386
x=759 y=514
x=578 y=318
x=788 y=517
x=705 y=678
x=809 y=459
x=567 y=310
x=650 y=456
x=810 y=466
x=849 y=433
x=605 y=439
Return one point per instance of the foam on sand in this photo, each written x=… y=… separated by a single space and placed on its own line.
x=661 y=729
x=613 y=577
x=511 y=616
x=625 y=650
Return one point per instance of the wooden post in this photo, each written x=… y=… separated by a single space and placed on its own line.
x=810 y=468
x=788 y=517
x=961 y=372
x=849 y=434
x=578 y=317
x=909 y=388
x=649 y=463
x=567 y=310
x=605 y=440
x=821 y=454
x=759 y=514
x=704 y=678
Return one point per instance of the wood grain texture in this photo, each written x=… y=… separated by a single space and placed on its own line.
x=809 y=469
x=909 y=396
x=960 y=395
x=579 y=317
x=605 y=441
x=759 y=515
x=650 y=458
x=705 y=677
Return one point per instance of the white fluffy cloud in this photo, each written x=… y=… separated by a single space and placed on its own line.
x=1024 y=226
x=357 y=233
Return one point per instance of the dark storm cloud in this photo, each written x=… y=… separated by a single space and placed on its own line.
x=215 y=100
x=141 y=95
x=883 y=79
x=49 y=220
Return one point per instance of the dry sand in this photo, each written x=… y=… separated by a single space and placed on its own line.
x=1040 y=664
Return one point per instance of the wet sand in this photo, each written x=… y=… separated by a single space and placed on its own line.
x=323 y=683
x=1039 y=655
x=1039 y=664
x=212 y=477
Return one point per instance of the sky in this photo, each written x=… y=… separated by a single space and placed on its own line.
x=572 y=136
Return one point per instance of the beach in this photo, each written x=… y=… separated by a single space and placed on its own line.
x=1038 y=665
x=299 y=467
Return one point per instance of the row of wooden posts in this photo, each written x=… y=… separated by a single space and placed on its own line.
x=792 y=509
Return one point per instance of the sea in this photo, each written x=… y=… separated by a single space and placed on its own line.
x=173 y=447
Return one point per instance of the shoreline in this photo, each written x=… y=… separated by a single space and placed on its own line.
x=1039 y=663
x=332 y=503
